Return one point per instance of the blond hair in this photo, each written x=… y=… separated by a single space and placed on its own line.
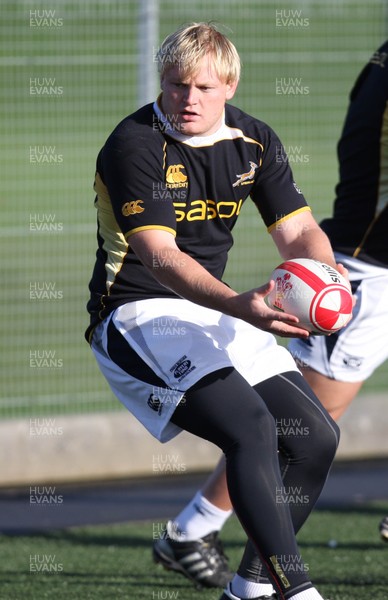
x=190 y=43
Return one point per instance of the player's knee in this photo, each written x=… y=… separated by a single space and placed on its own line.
x=332 y=438
x=324 y=445
x=256 y=430
x=314 y=446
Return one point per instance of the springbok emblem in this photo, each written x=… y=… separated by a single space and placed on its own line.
x=246 y=176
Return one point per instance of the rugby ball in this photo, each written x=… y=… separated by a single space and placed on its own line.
x=314 y=292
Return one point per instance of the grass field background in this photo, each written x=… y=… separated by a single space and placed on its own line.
x=111 y=562
x=88 y=56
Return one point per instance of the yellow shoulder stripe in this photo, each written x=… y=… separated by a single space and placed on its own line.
x=289 y=216
x=149 y=227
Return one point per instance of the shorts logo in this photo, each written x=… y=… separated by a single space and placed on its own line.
x=353 y=362
x=154 y=403
x=132 y=208
x=246 y=178
x=182 y=368
x=175 y=178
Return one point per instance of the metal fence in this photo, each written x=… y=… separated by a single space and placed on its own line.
x=69 y=72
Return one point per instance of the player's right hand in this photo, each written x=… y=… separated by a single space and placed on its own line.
x=252 y=308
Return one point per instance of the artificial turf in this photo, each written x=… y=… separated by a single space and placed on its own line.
x=341 y=549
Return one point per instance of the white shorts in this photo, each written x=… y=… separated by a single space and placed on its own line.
x=353 y=353
x=177 y=343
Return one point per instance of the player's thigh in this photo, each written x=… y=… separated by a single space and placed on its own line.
x=302 y=423
x=224 y=409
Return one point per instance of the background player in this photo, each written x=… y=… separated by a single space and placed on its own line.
x=335 y=366
x=221 y=376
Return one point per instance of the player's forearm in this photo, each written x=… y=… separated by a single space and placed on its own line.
x=311 y=243
x=187 y=278
x=190 y=280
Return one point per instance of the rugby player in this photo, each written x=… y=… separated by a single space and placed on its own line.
x=171 y=181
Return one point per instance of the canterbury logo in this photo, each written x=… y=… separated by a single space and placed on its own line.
x=174 y=174
x=242 y=177
x=132 y=208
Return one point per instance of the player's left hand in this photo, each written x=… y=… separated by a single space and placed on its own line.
x=345 y=273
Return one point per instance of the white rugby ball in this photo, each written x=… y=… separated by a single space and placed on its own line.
x=314 y=292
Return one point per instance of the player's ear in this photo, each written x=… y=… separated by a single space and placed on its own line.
x=231 y=88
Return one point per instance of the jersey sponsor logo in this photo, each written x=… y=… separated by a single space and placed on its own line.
x=205 y=210
x=175 y=178
x=132 y=208
x=246 y=178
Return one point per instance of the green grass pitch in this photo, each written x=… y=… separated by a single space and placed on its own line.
x=112 y=562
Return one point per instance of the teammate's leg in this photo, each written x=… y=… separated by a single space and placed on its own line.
x=228 y=412
x=191 y=544
x=214 y=487
x=201 y=515
x=336 y=396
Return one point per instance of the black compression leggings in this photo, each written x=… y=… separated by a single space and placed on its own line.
x=271 y=497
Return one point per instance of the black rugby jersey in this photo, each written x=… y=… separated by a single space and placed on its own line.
x=359 y=225
x=152 y=177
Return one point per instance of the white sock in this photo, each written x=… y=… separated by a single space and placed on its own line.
x=199 y=518
x=249 y=589
x=310 y=594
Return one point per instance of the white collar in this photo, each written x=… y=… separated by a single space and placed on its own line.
x=193 y=140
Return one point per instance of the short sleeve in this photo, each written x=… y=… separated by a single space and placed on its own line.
x=131 y=167
x=275 y=192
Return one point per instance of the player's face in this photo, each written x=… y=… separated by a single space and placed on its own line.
x=195 y=106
